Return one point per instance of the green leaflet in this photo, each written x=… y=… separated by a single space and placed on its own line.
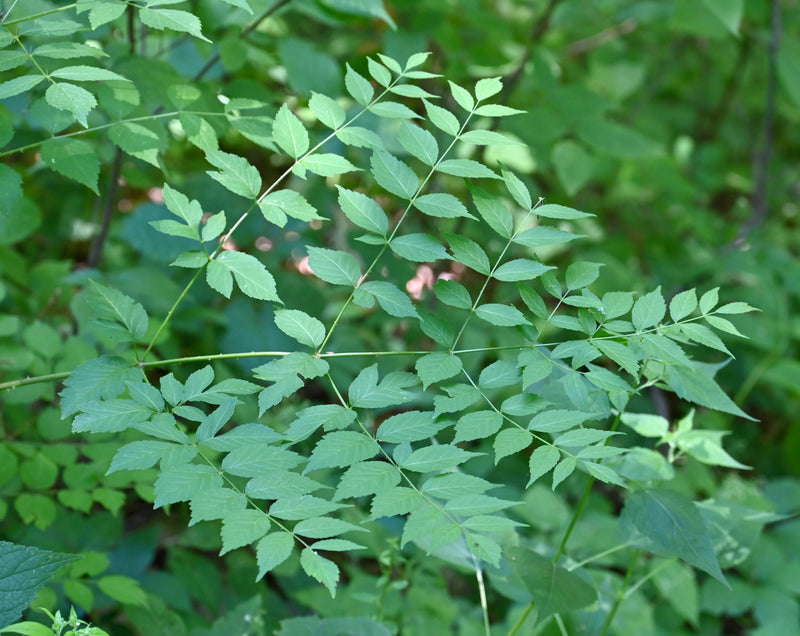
x=420 y=248
x=477 y=425
x=279 y=205
x=250 y=274
x=520 y=269
x=393 y=175
x=510 y=441
x=172 y=19
x=419 y=143
x=289 y=133
x=469 y=253
x=366 y=392
x=391 y=299
x=235 y=173
x=649 y=310
x=182 y=482
x=323 y=570
x=441 y=457
x=300 y=326
x=410 y=426
x=101 y=378
x=442 y=205
x=72 y=98
x=333 y=266
x=435 y=367
x=243 y=527
x=366 y=478
x=341 y=448
x=358 y=86
x=272 y=550
x=327 y=110
x=501 y=315
x=363 y=211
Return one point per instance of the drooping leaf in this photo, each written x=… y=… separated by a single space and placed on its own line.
x=700 y=388
x=72 y=98
x=321 y=569
x=279 y=205
x=668 y=523
x=553 y=589
x=510 y=441
x=272 y=550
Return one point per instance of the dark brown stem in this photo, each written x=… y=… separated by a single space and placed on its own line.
x=761 y=159
x=711 y=123
x=540 y=27
x=96 y=251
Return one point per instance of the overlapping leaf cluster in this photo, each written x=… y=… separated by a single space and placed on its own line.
x=400 y=443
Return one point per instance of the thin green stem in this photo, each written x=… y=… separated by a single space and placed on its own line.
x=85 y=131
x=487 y=629
x=396 y=228
x=584 y=498
x=51 y=377
x=621 y=596
x=177 y=302
x=515 y=628
x=40 y=15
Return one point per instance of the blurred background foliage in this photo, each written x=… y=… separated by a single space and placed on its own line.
x=676 y=122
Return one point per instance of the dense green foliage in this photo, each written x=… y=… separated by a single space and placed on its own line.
x=305 y=331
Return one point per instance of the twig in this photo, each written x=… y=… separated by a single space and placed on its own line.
x=252 y=27
x=540 y=27
x=603 y=37
x=761 y=158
